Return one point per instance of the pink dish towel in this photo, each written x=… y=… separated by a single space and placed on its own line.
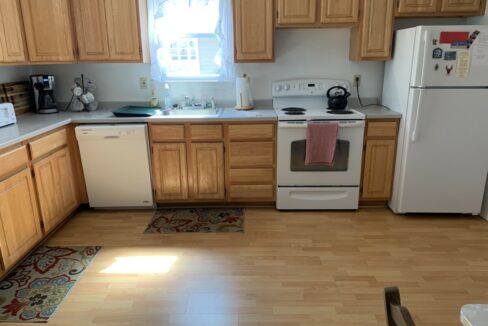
x=321 y=143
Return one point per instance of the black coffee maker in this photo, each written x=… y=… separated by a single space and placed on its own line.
x=43 y=86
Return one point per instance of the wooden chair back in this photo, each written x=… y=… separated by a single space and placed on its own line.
x=396 y=314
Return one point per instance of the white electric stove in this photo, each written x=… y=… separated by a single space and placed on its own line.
x=310 y=187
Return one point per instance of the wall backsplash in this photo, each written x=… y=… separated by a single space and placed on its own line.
x=14 y=73
x=299 y=53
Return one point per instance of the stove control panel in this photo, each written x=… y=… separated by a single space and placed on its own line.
x=306 y=87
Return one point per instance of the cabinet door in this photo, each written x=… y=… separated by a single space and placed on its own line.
x=66 y=181
x=11 y=40
x=91 y=29
x=55 y=187
x=339 y=11
x=417 y=6
x=379 y=162
x=451 y=6
x=254 y=30
x=170 y=171
x=207 y=166
x=372 y=39
x=19 y=218
x=48 y=31
x=296 y=12
x=123 y=30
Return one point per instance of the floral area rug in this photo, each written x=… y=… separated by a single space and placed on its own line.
x=33 y=291
x=204 y=220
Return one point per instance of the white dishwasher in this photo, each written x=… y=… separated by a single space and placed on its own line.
x=116 y=165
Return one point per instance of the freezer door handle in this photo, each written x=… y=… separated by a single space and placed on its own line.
x=415 y=132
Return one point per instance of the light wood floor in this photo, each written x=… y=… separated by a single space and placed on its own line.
x=293 y=268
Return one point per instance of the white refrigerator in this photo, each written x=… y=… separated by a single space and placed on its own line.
x=438 y=80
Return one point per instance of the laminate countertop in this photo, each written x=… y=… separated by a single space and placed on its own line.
x=30 y=125
x=377 y=112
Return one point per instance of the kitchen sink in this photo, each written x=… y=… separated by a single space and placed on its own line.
x=192 y=113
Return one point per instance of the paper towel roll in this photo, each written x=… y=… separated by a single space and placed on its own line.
x=243 y=93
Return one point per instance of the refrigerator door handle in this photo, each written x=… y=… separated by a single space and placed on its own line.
x=426 y=38
x=415 y=132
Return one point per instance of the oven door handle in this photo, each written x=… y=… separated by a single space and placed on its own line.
x=304 y=124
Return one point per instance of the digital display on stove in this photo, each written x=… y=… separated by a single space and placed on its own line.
x=311 y=85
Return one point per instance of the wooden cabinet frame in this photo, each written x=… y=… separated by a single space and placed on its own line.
x=438 y=8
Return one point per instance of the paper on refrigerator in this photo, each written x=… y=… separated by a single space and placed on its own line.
x=480 y=49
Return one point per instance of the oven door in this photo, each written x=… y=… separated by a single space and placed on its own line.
x=346 y=170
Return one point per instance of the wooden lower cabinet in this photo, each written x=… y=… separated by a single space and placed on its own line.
x=170 y=171
x=379 y=160
x=20 y=228
x=207 y=171
x=378 y=172
x=56 y=187
x=217 y=162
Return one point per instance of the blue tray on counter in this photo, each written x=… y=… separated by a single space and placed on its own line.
x=132 y=111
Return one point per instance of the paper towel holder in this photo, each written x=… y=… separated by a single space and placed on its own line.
x=244 y=99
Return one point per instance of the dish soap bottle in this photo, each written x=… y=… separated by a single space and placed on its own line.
x=154 y=100
x=168 y=104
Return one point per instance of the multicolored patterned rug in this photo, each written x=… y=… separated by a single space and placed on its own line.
x=204 y=220
x=33 y=291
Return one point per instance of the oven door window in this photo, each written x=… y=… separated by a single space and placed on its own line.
x=341 y=157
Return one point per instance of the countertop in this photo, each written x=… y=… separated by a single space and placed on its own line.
x=31 y=125
x=373 y=111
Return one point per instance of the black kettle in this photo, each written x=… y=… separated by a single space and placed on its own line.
x=337 y=98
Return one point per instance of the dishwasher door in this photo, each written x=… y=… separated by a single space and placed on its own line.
x=116 y=165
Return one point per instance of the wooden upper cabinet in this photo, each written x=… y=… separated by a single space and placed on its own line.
x=417 y=6
x=20 y=229
x=170 y=171
x=339 y=11
x=11 y=37
x=107 y=30
x=296 y=12
x=48 y=31
x=207 y=168
x=453 y=6
x=123 y=30
x=372 y=39
x=56 y=188
x=254 y=30
x=91 y=29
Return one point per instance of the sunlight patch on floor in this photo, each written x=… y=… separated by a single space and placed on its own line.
x=141 y=265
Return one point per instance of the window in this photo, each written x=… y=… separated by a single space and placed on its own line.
x=191 y=39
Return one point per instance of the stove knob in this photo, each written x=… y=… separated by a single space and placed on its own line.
x=287 y=87
x=278 y=88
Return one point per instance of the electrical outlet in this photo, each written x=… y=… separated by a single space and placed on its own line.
x=356 y=81
x=143 y=82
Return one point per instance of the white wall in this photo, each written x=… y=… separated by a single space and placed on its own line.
x=482 y=20
x=299 y=53
x=14 y=73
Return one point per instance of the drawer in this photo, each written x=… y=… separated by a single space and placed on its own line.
x=206 y=132
x=252 y=192
x=382 y=129
x=252 y=154
x=251 y=131
x=167 y=132
x=252 y=176
x=48 y=143
x=13 y=160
